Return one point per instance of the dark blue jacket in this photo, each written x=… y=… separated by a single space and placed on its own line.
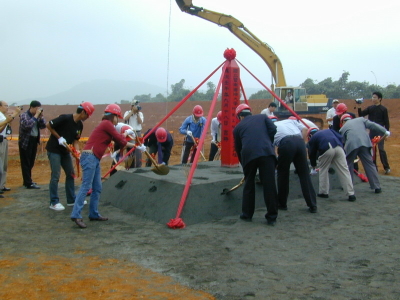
x=253 y=137
x=319 y=143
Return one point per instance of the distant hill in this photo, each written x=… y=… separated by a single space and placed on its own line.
x=107 y=91
x=101 y=92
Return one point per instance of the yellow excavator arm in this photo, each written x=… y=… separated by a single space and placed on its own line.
x=237 y=28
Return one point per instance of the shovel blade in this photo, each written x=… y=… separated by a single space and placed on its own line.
x=160 y=169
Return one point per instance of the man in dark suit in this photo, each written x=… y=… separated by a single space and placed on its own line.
x=379 y=114
x=253 y=137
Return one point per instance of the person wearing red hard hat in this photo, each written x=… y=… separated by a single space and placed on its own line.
x=135 y=119
x=93 y=151
x=253 y=138
x=358 y=143
x=192 y=127
x=215 y=135
x=326 y=147
x=65 y=130
x=160 y=142
x=130 y=135
x=341 y=109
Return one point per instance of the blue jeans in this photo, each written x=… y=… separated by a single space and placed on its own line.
x=91 y=178
x=56 y=162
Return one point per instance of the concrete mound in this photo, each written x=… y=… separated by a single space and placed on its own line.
x=145 y=194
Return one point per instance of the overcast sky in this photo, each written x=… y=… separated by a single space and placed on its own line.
x=49 y=46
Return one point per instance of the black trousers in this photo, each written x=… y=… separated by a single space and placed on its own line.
x=292 y=149
x=27 y=158
x=382 y=152
x=186 y=153
x=213 y=151
x=266 y=166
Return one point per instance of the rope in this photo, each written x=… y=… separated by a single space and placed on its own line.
x=175 y=223
x=276 y=96
x=165 y=118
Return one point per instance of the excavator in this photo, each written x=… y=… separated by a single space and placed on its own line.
x=295 y=97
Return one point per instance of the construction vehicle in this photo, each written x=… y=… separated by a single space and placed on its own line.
x=301 y=103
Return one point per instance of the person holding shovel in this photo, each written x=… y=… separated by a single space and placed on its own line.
x=159 y=142
x=358 y=143
x=93 y=151
x=256 y=152
x=192 y=127
x=65 y=130
x=116 y=155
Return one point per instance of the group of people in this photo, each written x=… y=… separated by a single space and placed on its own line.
x=277 y=146
x=281 y=143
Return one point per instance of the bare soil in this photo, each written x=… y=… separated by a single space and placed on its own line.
x=345 y=251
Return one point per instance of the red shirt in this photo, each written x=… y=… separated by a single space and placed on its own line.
x=102 y=136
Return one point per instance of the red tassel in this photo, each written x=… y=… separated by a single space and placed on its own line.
x=176 y=223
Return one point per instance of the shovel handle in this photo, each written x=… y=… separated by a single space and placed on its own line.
x=201 y=152
x=153 y=161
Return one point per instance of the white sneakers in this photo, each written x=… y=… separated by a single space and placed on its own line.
x=72 y=204
x=57 y=206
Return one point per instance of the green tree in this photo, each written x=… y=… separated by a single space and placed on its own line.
x=261 y=94
x=159 y=98
x=143 y=98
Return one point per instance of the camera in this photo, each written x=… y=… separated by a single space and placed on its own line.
x=136 y=103
x=359 y=100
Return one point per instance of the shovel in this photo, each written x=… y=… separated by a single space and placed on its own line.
x=201 y=152
x=159 y=169
x=226 y=191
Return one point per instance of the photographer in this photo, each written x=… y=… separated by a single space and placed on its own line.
x=30 y=124
x=134 y=118
x=5 y=130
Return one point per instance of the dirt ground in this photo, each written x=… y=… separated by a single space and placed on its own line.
x=345 y=251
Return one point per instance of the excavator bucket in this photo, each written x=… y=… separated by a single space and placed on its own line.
x=184 y=4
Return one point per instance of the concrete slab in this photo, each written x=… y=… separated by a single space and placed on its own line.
x=155 y=197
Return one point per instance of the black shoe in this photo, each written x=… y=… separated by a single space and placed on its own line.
x=378 y=191
x=244 y=218
x=352 y=198
x=33 y=186
x=323 y=195
x=5 y=189
x=312 y=209
x=281 y=207
x=1 y=196
x=271 y=222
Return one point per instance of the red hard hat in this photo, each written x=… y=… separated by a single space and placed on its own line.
x=341 y=108
x=311 y=131
x=219 y=116
x=345 y=116
x=87 y=107
x=125 y=128
x=161 y=135
x=114 y=109
x=198 y=111
x=273 y=118
x=240 y=108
